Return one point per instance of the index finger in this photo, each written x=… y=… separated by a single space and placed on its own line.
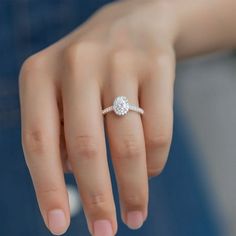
x=40 y=139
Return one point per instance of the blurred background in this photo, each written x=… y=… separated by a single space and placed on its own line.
x=195 y=195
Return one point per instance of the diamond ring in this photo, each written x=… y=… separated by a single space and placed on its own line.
x=121 y=107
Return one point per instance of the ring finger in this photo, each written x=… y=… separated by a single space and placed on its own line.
x=127 y=145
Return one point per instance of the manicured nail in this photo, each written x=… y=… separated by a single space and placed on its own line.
x=103 y=228
x=135 y=219
x=57 y=222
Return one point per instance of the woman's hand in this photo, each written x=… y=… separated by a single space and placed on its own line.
x=127 y=48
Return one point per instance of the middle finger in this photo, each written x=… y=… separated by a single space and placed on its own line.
x=85 y=143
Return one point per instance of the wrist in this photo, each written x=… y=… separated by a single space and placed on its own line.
x=205 y=27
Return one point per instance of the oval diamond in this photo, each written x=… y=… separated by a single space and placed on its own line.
x=121 y=105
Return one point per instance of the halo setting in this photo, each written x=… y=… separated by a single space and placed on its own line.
x=121 y=105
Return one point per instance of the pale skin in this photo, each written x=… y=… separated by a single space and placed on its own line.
x=126 y=48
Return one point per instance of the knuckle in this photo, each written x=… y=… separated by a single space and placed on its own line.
x=84 y=146
x=96 y=200
x=135 y=201
x=35 y=141
x=121 y=57
x=156 y=142
x=48 y=190
x=98 y=204
x=163 y=59
x=79 y=52
x=130 y=148
x=77 y=57
x=70 y=54
x=31 y=65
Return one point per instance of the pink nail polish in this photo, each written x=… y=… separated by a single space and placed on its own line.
x=103 y=228
x=57 y=222
x=135 y=219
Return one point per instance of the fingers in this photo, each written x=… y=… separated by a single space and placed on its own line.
x=127 y=144
x=86 y=148
x=40 y=138
x=157 y=102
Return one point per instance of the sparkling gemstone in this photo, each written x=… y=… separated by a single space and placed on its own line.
x=121 y=105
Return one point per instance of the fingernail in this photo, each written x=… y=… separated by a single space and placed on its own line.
x=103 y=228
x=57 y=222
x=135 y=219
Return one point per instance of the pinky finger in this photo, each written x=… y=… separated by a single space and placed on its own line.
x=157 y=100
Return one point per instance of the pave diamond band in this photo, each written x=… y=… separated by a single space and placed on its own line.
x=121 y=107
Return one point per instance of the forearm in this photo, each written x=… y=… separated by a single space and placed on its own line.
x=205 y=26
